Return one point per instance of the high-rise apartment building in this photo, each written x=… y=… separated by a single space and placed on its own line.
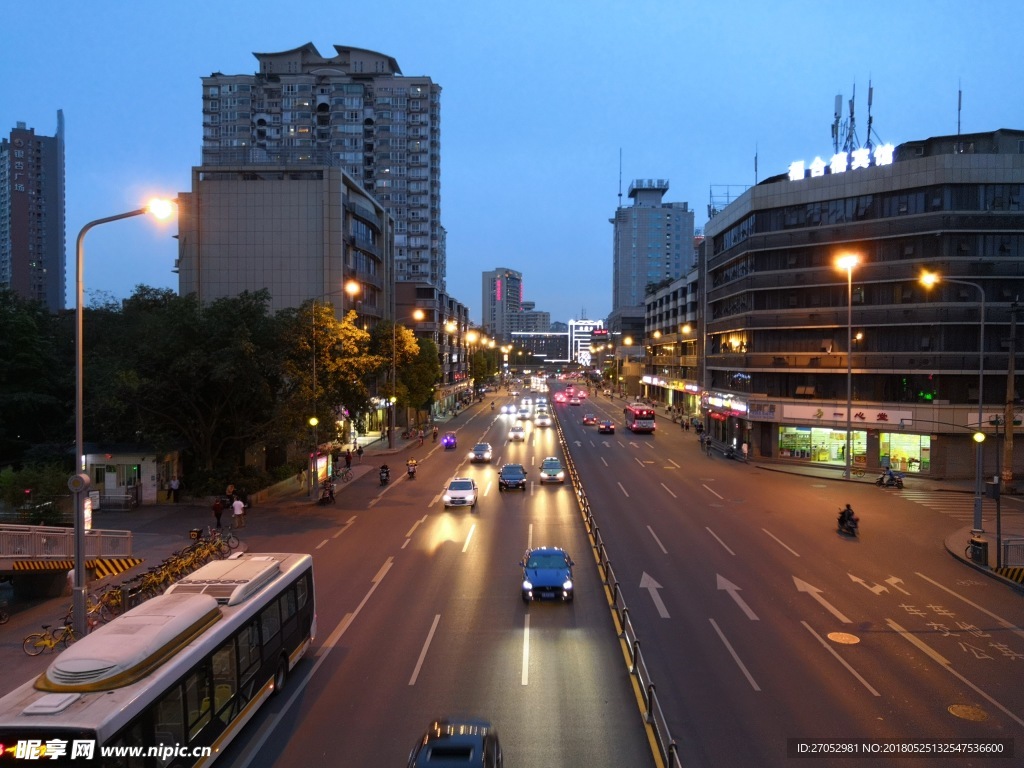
x=354 y=111
x=502 y=301
x=652 y=243
x=32 y=259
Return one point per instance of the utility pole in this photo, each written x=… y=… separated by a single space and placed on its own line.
x=1009 y=412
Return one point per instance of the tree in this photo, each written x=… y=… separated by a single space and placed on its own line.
x=420 y=377
x=33 y=380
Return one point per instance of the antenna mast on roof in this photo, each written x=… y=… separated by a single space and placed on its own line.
x=851 y=142
x=835 y=122
x=959 y=105
x=620 y=177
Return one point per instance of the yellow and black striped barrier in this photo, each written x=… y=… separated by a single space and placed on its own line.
x=100 y=567
x=1013 y=574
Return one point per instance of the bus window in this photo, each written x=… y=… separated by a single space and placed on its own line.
x=302 y=589
x=197 y=699
x=248 y=657
x=225 y=681
x=170 y=716
x=270 y=628
x=288 y=604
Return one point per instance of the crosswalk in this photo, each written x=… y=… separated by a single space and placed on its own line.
x=959 y=506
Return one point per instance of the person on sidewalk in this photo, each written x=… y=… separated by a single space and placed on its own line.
x=359 y=454
x=218 y=511
x=174 y=489
x=238 y=513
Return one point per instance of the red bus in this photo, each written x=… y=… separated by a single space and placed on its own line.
x=639 y=417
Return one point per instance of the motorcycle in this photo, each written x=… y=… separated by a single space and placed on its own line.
x=410 y=470
x=890 y=480
x=847 y=525
x=385 y=475
x=326 y=493
x=492 y=405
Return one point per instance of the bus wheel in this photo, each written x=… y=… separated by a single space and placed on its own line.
x=280 y=676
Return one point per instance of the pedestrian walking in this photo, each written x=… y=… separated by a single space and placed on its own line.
x=433 y=434
x=174 y=489
x=359 y=454
x=744 y=449
x=348 y=459
x=237 y=513
x=218 y=510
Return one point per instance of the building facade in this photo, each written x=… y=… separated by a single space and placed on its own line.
x=804 y=358
x=652 y=243
x=302 y=232
x=32 y=223
x=501 y=302
x=354 y=111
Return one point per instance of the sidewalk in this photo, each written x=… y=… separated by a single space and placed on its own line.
x=958 y=543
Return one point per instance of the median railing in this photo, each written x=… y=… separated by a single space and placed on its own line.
x=654 y=716
x=41 y=542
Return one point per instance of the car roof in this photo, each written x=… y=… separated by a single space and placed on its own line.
x=482 y=445
x=545 y=549
x=513 y=466
x=550 y=458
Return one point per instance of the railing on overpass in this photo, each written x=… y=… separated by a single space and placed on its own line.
x=40 y=542
x=1013 y=552
x=654 y=716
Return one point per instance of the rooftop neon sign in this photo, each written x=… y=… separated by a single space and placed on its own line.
x=841 y=162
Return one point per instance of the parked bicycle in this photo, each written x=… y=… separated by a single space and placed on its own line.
x=48 y=640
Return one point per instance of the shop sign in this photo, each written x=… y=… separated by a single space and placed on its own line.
x=860 y=416
x=840 y=162
x=762 y=411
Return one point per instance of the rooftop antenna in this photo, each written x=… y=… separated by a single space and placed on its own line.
x=620 y=177
x=871 y=92
x=835 y=122
x=755 y=163
x=959 y=105
x=851 y=142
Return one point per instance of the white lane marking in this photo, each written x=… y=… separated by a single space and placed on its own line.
x=793 y=551
x=669 y=491
x=840 y=659
x=735 y=657
x=322 y=544
x=656 y=539
x=298 y=687
x=344 y=527
x=637 y=460
x=720 y=541
x=526 y=650
x=469 y=538
x=923 y=647
x=648 y=583
x=605 y=462
x=674 y=464
x=710 y=491
x=1012 y=627
x=623 y=490
x=415 y=525
x=529 y=537
x=423 y=651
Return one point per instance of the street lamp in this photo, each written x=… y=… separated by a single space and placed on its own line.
x=626 y=342
x=417 y=315
x=848 y=262
x=929 y=279
x=79 y=482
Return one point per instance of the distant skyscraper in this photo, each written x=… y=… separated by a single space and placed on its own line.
x=652 y=242
x=32 y=259
x=355 y=111
x=502 y=301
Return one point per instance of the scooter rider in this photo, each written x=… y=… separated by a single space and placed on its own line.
x=410 y=468
x=847 y=519
x=385 y=474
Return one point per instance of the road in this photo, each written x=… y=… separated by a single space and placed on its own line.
x=420 y=616
x=761 y=624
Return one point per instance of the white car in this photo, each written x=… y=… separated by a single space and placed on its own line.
x=542 y=419
x=461 y=492
x=517 y=433
x=508 y=408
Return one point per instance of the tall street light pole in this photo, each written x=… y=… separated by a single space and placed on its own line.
x=79 y=482
x=848 y=262
x=929 y=279
x=417 y=315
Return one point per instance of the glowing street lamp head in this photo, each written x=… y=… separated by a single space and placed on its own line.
x=928 y=279
x=418 y=315
x=161 y=208
x=628 y=341
x=352 y=288
x=847 y=261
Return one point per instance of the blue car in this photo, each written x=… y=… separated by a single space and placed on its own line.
x=547 y=574
x=449 y=440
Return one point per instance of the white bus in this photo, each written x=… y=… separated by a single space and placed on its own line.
x=171 y=682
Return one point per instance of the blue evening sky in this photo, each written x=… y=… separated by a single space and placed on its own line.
x=539 y=99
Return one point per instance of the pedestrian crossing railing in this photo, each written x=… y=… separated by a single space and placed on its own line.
x=1013 y=553
x=40 y=542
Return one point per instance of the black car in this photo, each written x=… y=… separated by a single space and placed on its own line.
x=511 y=477
x=457 y=743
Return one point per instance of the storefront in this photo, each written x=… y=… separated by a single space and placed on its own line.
x=905 y=453
x=823 y=445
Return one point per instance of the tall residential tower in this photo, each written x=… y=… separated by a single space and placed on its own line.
x=652 y=243
x=354 y=111
x=32 y=260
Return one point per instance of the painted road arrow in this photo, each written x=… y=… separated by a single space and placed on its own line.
x=803 y=586
x=733 y=590
x=877 y=589
x=646 y=582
